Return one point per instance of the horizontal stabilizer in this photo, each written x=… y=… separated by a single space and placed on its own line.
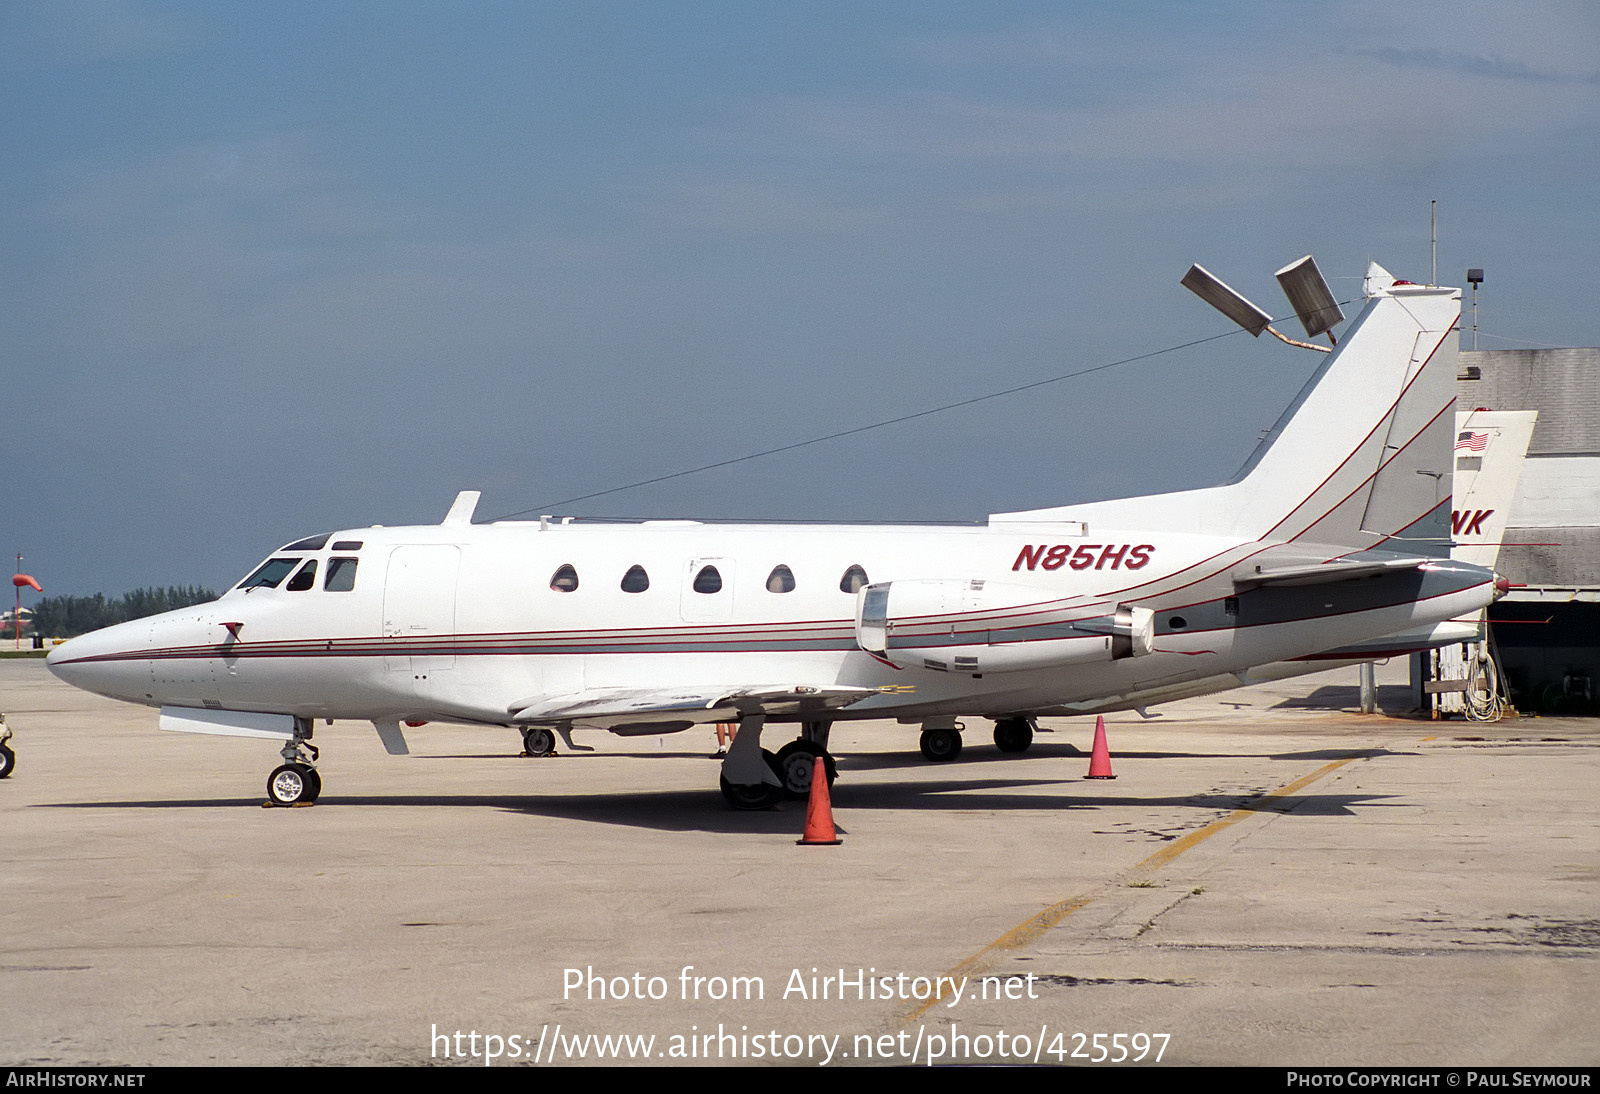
x=1324 y=572
x=1449 y=633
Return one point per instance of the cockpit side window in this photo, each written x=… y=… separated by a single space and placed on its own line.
x=304 y=579
x=270 y=573
x=341 y=575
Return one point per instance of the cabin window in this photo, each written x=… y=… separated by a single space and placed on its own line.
x=270 y=573
x=341 y=575
x=708 y=580
x=853 y=581
x=564 y=580
x=780 y=580
x=635 y=580
x=305 y=579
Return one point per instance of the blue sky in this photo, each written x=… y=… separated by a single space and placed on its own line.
x=277 y=269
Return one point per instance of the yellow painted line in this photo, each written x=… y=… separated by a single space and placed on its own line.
x=1178 y=847
x=1024 y=933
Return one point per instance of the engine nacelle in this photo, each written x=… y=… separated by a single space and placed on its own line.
x=978 y=626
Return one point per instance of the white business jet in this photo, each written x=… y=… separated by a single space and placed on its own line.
x=1336 y=533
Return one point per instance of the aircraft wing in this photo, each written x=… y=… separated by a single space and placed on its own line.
x=614 y=707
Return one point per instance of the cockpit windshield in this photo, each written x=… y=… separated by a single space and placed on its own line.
x=270 y=573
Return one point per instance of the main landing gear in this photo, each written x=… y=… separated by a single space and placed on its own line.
x=797 y=766
x=754 y=778
x=538 y=741
x=941 y=737
x=296 y=781
x=1013 y=734
x=941 y=740
x=8 y=758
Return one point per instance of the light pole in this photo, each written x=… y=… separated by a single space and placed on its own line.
x=19 y=581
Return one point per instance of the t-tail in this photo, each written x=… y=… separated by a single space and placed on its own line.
x=1360 y=460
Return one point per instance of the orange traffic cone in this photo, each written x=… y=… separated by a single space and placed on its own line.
x=819 y=812
x=1100 y=761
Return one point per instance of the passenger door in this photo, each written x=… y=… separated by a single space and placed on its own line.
x=419 y=604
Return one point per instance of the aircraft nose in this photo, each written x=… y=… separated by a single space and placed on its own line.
x=62 y=656
x=107 y=662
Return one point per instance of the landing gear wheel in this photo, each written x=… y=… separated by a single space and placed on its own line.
x=538 y=741
x=941 y=745
x=797 y=764
x=8 y=761
x=1013 y=735
x=294 y=784
x=751 y=796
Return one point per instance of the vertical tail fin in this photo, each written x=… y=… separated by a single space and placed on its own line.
x=1361 y=459
x=1490 y=448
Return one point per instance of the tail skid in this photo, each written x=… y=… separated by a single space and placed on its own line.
x=1361 y=459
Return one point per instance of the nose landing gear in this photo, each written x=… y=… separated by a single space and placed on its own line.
x=294 y=784
x=296 y=781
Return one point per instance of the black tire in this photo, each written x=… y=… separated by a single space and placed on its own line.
x=941 y=745
x=291 y=784
x=538 y=741
x=314 y=784
x=1013 y=735
x=755 y=796
x=8 y=761
x=751 y=797
x=797 y=764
